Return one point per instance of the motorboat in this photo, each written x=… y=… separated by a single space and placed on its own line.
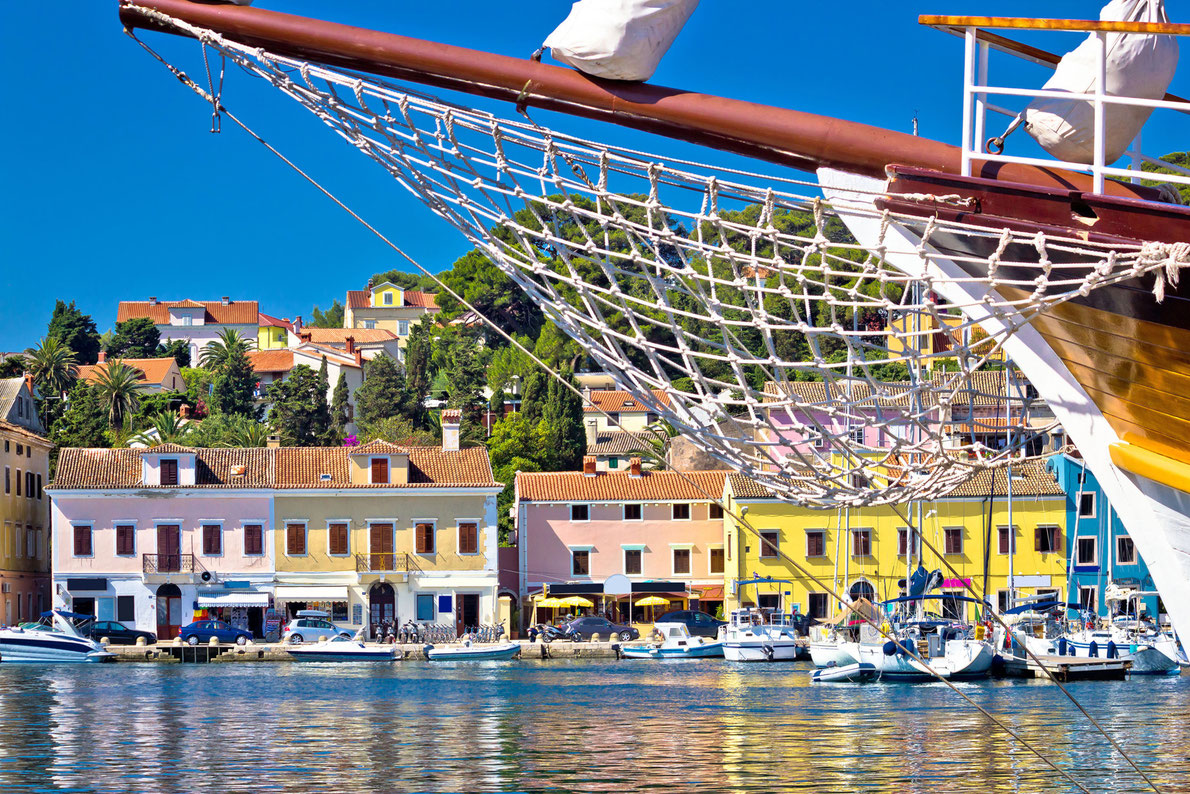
x=858 y=673
x=925 y=650
x=55 y=639
x=759 y=635
x=827 y=641
x=676 y=643
x=468 y=651
x=342 y=649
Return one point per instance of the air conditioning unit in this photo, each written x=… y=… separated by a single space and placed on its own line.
x=207 y=576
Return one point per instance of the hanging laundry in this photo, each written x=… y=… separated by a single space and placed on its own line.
x=619 y=39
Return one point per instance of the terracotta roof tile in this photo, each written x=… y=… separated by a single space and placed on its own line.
x=299 y=467
x=268 y=321
x=612 y=401
x=425 y=300
x=152 y=370
x=234 y=313
x=620 y=442
x=168 y=449
x=338 y=336
x=378 y=446
x=357 y=299
x=362 y=299
x=242 y=468
x=23 y=432
x=271 y=360
x=655 y=486
x=98 y=468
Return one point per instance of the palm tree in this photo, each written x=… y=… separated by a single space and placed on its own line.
x=167 y=428
x=656 y=449
x=53 y=365
x=119 y=388
x=230 y=345
x=246 y=432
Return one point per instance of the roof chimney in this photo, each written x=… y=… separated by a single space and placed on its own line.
x=152 y=300
x=351 y=345
x=274 y=441
x=592 y=433
x=589 y=466
x=451 y=419
x=297 y=321
x=359 y=358
x=369 y=287
x=29 y=382
x=102 y=356
x=184 y=411
x=634 y=467
x=225 y=300
x=306 y=336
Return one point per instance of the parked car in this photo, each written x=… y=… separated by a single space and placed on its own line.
x=118 y=633
x=583 y=628
x=699 y=624
x=204 y=630
x=311 y=625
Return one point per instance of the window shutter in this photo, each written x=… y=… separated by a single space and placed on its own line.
x=1037 y=538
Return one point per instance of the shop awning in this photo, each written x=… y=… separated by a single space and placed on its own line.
x=709 y=592
x=310 y=593
x=231 y=598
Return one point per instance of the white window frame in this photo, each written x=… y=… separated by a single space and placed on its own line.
x=413 y=524
x=574 y=520
x=89 y=525
x=264 y=535
x=689 y=511
x=1117 y=550
x=589 y=550
x=1078 y=539
x=347 y=521
x=202 y=539
x=402 y=328
x=305 y=524
x=760 y=555
x=1094 y=606
x=624 y=511
x=1094 y=504
x=31 y=543
x=871 y=545
x=458 y=537
x=912 y=542
x=826 y=597
x=962 y=541
x=115 y=540
x=816 y=531
x=1012 y=528
x=676 y=547
x=1055 y=531
x=387 y=299
x=624 y=549
x=713 y=548
x=388 y=468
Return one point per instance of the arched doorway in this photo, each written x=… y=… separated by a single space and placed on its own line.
x=382 y=607
x=169 y=611
x=862 y=589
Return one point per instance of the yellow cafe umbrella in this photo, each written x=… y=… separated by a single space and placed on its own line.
x=653 y=601
x=578 y=601
x=550 y=603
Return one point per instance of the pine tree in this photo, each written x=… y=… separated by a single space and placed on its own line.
x=234 y=386
x=383 y=392
x=75 y=330
x=83 y=423
x=300 y=413
x=340 y=410
x=561 y=428
x=417 y=372
x=465 y=389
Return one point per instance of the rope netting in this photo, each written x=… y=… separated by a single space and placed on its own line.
x=746 y=316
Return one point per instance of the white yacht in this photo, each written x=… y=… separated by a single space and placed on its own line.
x=54 y=639
x=922 y=646
x=759 y=635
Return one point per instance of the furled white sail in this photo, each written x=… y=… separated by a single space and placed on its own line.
x=619 y=39
x=1138 y=65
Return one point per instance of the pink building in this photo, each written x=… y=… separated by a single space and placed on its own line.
x=146 y=536
x=657 y=529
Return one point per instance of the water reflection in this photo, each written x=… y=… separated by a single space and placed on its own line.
x=590 y=726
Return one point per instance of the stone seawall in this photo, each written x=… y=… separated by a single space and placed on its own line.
x=170 y=653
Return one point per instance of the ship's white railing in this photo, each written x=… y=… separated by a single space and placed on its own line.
x=977 y=89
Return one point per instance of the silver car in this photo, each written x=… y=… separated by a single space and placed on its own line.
x=311 y=626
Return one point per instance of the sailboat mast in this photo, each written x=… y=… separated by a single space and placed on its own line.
x=1011 y=525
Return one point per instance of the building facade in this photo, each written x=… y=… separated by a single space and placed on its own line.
x=577 y=530
x=24 y=505
x=867 y=552
x=198 y=323
x=154 y=375
x=1099 y=551
x=389 y=307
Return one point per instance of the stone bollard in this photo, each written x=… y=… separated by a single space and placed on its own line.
x=105 y=641
x=595 y=637
x=178 y=641
x=213 y=642
x=141 y=642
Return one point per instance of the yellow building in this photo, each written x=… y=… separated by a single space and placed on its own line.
x=273 y=332
x=24 y=506
x=868 y=551
x=389 y=307
x=387 y=534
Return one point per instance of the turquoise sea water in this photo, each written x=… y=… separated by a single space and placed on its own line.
x=564 y=726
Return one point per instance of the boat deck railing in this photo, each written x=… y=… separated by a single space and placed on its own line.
x=978 y=93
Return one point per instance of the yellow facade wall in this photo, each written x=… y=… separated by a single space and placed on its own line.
x=271 y=337
x=447 y=511
x=839 y=569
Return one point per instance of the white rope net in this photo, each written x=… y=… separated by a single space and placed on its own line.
x=746 y=316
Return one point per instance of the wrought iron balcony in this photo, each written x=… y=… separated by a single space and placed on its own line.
x=169 y=563
x=385 y=562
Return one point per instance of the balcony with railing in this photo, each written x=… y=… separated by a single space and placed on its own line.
x=385 y=562
x=156 y=564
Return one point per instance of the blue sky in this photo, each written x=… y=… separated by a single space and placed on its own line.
x=116 y=189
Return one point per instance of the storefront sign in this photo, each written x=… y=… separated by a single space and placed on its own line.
x=445 y=604
x=357 y=614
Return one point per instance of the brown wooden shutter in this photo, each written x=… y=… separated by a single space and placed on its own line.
x=338 y=538
x=425 y=538
x=253 y=539
x=379 y=470
x=169 y=472
x=468 y=539
x=296 y=540
x=124 y=539
x=212 y=540
x=82 y=541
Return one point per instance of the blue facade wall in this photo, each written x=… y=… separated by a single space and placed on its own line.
x=1093 y=518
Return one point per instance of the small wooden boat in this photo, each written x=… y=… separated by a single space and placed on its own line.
x=860 y=673
x=342 y=649
x=469 y=652
x=676 y=643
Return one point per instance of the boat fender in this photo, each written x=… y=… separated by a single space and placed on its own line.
x=768 y=651
x=980 y=630
x=890 y=648
x=1093 y=650
x=1132 y=649
x=1112 y=651
x=1061 y=646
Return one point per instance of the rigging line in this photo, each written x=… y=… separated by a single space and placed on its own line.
x=182 y=77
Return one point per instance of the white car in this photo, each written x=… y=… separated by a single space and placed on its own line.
x=311 y=626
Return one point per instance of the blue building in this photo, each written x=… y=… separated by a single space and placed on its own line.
x=1098 y=548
